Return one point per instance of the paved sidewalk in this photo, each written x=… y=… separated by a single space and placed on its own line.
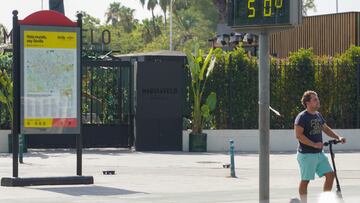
x=168 y=177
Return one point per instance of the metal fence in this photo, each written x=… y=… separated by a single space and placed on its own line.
x=106 y=94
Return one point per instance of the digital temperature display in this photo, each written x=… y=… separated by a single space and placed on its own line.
x=265 y=13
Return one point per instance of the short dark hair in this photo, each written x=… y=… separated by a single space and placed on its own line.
x=307 y=97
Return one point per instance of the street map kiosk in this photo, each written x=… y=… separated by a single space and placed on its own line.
x=47 y=83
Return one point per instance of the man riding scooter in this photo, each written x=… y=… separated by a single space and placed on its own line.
x=309 y=125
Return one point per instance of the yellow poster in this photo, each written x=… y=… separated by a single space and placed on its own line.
x=43 y=39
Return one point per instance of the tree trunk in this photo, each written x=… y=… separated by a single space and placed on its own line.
x=154 y=24
x=165 y=21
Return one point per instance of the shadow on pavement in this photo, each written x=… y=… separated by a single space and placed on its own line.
x=89 y=191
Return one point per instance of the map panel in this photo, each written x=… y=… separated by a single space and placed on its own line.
x=50 y=80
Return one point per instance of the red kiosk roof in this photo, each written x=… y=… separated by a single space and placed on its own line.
x=48 y=18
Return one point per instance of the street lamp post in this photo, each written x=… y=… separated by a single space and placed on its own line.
x=264 y=117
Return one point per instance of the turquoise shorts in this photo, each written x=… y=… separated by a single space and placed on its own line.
x=313 y=163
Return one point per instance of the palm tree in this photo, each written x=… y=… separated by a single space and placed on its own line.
x=151 y=4
x=126 y=16
x=118 y=14
x=146 y=31
x=112 y=14
x=164 y=4
x=181 y=5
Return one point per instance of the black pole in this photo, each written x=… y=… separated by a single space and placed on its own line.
x=120 y=96
x=91 y=93
x=79 y=136
x=230 y=120
x=131 y=96
x=16 y=93
x=57 y=5
x=129 y=117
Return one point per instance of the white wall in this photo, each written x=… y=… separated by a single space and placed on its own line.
x=245 y=140
x=4 y=147
x=280 y=140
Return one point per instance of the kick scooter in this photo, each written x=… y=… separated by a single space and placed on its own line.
x=330 y=143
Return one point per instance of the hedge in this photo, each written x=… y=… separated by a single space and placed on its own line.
x=335 y=79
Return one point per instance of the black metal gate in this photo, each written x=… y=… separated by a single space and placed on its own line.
x=106 y=103
x=106 y=112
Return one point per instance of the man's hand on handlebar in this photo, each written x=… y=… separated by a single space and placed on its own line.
x=342 y=140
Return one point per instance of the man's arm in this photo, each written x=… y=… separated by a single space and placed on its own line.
x=299 y=131
x=329 y=132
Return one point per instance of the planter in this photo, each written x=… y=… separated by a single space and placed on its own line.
x=24 y=143
x=197 y=142
x=4 y=141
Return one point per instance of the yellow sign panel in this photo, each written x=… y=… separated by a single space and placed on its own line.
x=38 y=123
x=44 y=39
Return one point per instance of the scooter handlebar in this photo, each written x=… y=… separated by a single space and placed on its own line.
x=331 y=142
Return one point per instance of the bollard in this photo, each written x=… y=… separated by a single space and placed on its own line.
x=21 y=148
x=232 y=161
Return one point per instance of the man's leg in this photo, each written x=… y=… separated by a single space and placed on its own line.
x=307 y=163
x=324 y=169
x=329 y=180
x=303 y=190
